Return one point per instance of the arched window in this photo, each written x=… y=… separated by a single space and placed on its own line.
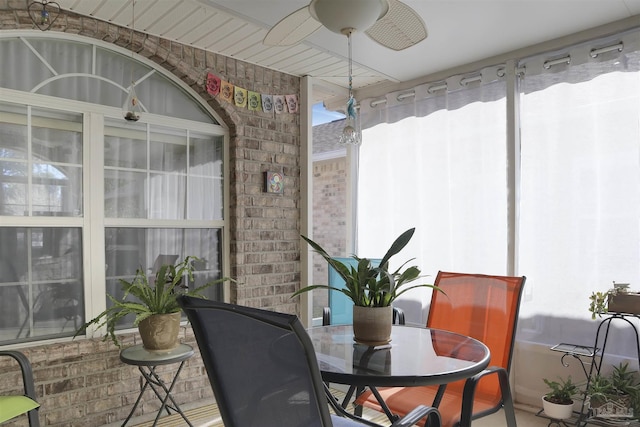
x=86 y=197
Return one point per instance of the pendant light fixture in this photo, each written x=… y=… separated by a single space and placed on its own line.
x=131 y=108
x=351 y=133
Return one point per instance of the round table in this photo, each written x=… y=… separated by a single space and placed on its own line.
x=147 y=361
x=415 y=356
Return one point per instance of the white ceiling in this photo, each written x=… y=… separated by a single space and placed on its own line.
x=460 y=32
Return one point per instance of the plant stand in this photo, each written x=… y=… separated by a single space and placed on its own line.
x=559 y=423
x=147 y=362
x=586 y=356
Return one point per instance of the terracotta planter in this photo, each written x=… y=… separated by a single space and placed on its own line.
x=557 y=411
x=372 y=325
x=159 y=332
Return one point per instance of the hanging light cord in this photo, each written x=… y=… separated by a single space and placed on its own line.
x=350 y=66
x=351 y=132
x=133 y=27
x=131 y=109
x=351 y=107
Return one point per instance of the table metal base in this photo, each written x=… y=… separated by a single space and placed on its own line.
x=153 y=380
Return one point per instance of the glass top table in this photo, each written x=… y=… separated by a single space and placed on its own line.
x=415 y=356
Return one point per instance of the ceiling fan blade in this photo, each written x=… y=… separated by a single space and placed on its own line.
x=400 y=28
x=292 y=29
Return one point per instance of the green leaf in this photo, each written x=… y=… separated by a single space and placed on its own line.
x=370 y=286
x=398 y=245
x=158 y=297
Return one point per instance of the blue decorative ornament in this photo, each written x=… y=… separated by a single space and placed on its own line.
x=351 y=107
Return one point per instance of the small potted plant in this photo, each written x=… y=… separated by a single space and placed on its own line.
x=616 y=396
x=617 y=300
x=156 y=308
x=372 y=289
x=558 y=401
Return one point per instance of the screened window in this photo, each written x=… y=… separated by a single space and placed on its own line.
x=580 y=203
x=443 y=173
x=556 y=199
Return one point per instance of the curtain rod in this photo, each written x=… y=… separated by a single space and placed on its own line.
x=551 y=62
x=618 y=46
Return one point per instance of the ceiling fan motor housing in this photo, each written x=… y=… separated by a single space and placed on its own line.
x=342 y=16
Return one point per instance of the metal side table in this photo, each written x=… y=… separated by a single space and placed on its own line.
x=147 y=361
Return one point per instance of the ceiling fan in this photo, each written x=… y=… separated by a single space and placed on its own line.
x=390 y=23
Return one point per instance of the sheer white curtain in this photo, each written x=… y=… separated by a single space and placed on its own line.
x=439 y=163
x=580 y=197
x=441 y=170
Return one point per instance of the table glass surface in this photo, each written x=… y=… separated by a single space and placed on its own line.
x=138 y=355
x=415 y=356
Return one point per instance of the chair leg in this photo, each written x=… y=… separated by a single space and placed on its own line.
x=467 y=402
x=469 y=393
x=507 y=398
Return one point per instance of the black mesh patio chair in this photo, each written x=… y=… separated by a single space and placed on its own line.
x=263 y=369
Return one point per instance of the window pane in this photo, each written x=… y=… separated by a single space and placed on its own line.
x=41 y=293
x=125 y=175
x=129 y=249
x=205 y=198
x=124 y=194
x=125 y=149
x=13 y=166
x=13 y=131
x=168 y=150
x=167 y=183
x=53 y=191
x=14 y=188
x=205 y=182
x=179 y=169
x=57 y=144
x=53 y=183
x=167 y=194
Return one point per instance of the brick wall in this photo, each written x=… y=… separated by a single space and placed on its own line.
x=329 y=219
x=82 y=382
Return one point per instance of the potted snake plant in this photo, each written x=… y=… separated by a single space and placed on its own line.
x=372 y=289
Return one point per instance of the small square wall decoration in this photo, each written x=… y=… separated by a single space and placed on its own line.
x=274 y=182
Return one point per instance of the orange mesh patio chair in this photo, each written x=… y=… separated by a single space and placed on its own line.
x=482 y=307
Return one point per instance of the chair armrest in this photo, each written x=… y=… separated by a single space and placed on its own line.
x=29 y=387
x=505 y=388
x=25 y=368
x=427 y=412
x=326 y=316
x=398 y=316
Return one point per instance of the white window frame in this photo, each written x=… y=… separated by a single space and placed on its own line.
x=93 y=221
